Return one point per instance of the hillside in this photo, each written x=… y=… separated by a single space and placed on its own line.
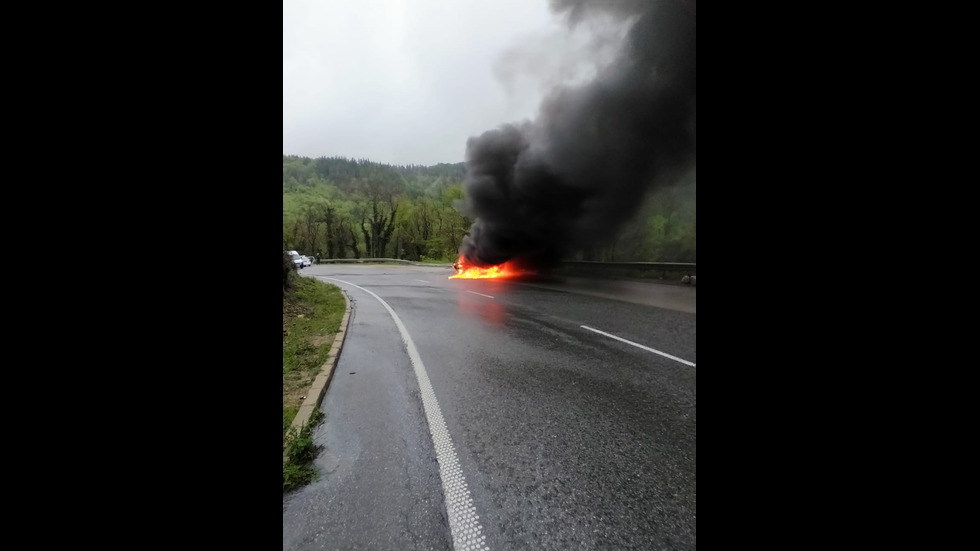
x=356 y=208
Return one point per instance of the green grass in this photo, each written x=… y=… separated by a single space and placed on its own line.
x=311 y=314
x=300 y=452
x=288 y=414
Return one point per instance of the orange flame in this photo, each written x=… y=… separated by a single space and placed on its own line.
x=466 y=271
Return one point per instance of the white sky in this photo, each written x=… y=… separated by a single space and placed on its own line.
x=408 y=81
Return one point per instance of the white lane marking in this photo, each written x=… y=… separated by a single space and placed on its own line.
x=481 y=294
x=422 y=280
x=647 y=348
x=463 y=520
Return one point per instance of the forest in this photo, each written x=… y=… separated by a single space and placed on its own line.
x=356 y=208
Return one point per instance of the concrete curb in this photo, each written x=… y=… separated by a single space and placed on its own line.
x=315 y=395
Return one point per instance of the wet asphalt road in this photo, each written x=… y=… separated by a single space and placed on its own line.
x=567 y=439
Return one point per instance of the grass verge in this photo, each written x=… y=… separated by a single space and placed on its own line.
x=300 y=451
x=311 y=315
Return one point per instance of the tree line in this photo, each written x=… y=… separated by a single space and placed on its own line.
x=347 y=208
x=356 y=208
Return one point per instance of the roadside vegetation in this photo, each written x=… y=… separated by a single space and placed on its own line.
x=311 y=315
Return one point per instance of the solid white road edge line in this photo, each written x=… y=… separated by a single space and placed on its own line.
x=647 y=348
x=463 y=521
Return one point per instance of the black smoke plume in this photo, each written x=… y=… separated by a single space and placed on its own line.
x=543 y=189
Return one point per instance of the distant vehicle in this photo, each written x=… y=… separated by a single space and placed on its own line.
x=297 y=259
x=307 y=261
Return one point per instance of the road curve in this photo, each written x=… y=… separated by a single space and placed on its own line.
x=570 y=407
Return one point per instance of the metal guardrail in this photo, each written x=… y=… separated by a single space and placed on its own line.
x=640 y=270
x=375 y=260
x=626 y=269
x=653 y=265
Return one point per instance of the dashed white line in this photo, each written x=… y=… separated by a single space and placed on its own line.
x=464 y=523
x=481 y=294
x=422 y=280
x=647 y=348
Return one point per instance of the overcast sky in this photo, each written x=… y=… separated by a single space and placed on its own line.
x=408 y=81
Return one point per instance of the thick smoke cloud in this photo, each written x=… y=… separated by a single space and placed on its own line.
x=568 y=179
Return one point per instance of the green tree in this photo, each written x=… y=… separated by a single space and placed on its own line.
x=378 y=209
x=415 y=227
